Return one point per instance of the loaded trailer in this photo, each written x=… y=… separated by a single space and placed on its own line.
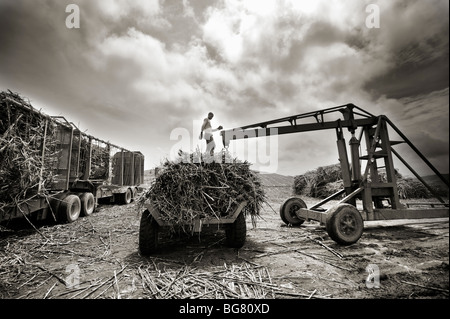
x=365 y=195
x=72 y=172
x=152 y=223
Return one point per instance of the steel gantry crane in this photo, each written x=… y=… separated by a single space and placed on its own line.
x=345 y=222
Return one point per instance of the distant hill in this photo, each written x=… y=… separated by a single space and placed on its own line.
x=276 y=180
x=267 y=179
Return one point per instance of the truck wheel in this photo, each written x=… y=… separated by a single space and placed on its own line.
x=236 y=232
x=344 y=224
x=148 y=234
x=288 y=209
x=134 y=193
x=126 y=197
x=87 y=204
x=69 y=209
x=55 y=203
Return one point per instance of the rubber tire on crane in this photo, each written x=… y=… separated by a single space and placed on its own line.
x=344 y=224
x=288 y=209
x=236 y=232
x=148 y=234
x=87 y=204
x=69 y=209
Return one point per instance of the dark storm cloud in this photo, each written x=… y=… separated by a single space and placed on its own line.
x=135 y=71
x=55 y=66
x=417 y=38
x=416 y=71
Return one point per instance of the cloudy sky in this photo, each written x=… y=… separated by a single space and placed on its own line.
x=143 y=74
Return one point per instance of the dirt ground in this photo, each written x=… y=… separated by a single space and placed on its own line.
x=98 y=257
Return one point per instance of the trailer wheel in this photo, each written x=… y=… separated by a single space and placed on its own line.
x=126 y=197
x=236 y=232
x=148 y=234
x=344 y=224
x=69 y=209
x=288 y=209
x=134 y=193
x=87 y=204
x=55 y=203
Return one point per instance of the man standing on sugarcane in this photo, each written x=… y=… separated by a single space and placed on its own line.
x=207 y=134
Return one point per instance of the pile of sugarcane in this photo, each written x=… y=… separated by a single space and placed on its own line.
x=27 y=150
x=327 y=180
x=184 y=190
x=319 y=183
x=226 y=282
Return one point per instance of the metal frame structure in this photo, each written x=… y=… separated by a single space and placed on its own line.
x=152 y=223
x=197 y=223
x=71 y=178
x=344 y=224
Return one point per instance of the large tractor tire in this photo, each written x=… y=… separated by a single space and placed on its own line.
x=344 y=224
x=236 y=232
x=148 y=234
x=288 y=209
x=87 y=204
x=69 y=209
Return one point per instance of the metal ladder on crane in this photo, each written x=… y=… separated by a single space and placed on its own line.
x=344 y=221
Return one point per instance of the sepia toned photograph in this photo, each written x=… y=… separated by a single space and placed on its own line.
x=253 y=153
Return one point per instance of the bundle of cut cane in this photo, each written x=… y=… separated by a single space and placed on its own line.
x=314 y=183
x=27 y=150
x=186 y=190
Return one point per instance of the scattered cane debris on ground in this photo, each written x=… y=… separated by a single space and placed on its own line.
x=97 y=257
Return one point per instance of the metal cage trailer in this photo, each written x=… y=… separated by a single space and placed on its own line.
x=86 y=170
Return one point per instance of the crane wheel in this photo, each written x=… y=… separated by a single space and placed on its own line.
x=236 y=232
x=288 y=209
x=344 y=224
x=148 y=234
x=87 y=204
x=69 y=209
